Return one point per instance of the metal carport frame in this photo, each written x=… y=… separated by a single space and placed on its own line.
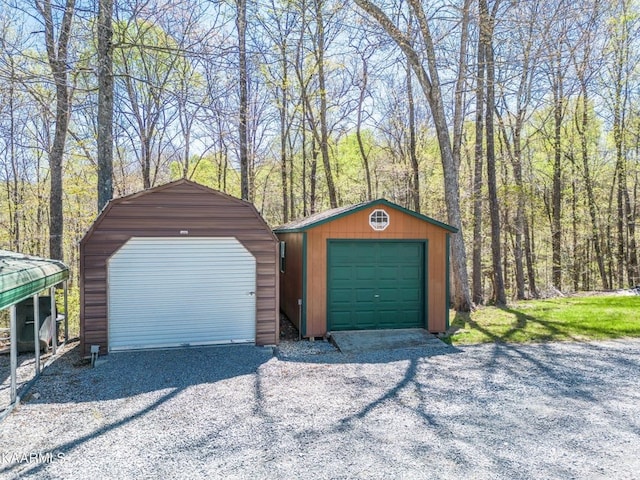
x=21 y=277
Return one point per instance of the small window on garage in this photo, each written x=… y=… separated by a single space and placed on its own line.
x=282 y=256
x=379 y=220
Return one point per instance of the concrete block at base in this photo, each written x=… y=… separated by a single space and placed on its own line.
x=358 y=341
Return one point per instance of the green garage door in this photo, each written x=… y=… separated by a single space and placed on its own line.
x=375 y=285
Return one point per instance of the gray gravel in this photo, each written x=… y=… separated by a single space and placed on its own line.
x=25 y=372
x=561 y=410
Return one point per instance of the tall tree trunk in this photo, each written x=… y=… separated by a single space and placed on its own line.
x=324 y=132
x=292 y=179
x=556 y=202
x=241 y=25
x=620 y=177
x=186 y=123
x=620 y=232
x=461 y=82
x=494 y=208
x=586 y=174
x=299 y=66
x=283 y=132
x=305 y=200
x=528 y=254
x=105 y=102
x=633 y=272
x=478 y=293
x=609 y=252
x=623 y=34
x=14 y=198
x=363 y=84
x=574 y=227
x=146 y=160
x=520 y=220
x=57 y=51
x=413 y=155
x=313 y=177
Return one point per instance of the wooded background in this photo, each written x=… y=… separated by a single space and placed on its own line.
x=516 y=121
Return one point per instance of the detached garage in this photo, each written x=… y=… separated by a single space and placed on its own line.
x=374 y=265
x=178 y=265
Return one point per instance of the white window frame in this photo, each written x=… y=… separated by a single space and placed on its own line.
x=377 y=220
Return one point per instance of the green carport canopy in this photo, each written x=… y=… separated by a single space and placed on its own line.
x=23 y=276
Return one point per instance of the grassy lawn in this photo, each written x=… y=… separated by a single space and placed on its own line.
x=557 y=319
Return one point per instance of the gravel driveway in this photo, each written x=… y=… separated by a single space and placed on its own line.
x=561 y=410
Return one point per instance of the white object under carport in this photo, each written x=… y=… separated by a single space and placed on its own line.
x=175 y=291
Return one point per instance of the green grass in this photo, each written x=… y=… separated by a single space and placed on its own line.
x=558 y=319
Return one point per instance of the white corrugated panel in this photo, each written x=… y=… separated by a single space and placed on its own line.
x=167 y=292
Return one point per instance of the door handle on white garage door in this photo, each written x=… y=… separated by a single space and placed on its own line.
x=251 y=293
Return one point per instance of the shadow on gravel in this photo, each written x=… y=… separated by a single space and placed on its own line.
x=488 y=411
x=125 y=374
x=557 y=384
x=559 y=369
x=122 y=375
x=410 y=378
x=562 y=378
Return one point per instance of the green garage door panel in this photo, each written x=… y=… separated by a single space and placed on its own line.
x=375 y=285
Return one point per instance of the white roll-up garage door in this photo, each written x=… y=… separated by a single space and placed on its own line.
x=166 y=292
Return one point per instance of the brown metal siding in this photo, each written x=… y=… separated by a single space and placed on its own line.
x=355 y=226
x=163 y=212
x=291 y=279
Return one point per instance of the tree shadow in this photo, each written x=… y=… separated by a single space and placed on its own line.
x=65 y=448
x=125 y=374
x=427 y=390
x=549 y=371
x=547 y=362
x=128 y=374
x=522 y=320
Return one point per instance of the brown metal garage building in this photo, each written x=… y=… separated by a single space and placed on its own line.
x=179 y=264
x=374 y=265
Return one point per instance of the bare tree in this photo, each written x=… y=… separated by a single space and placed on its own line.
x=362 y=82
x=11 y=127
x=487 y=25
x=105 y=102
x=430 y=82
x=624 y=29
x=476 y=272
x=413 y=154
x=278 y=24
x=586 y=68
x=57 y=53
x=147 y=65
x=241 y=25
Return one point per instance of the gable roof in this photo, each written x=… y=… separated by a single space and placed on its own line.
x=320 y=218
x=182 y=181
x=168 y=185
